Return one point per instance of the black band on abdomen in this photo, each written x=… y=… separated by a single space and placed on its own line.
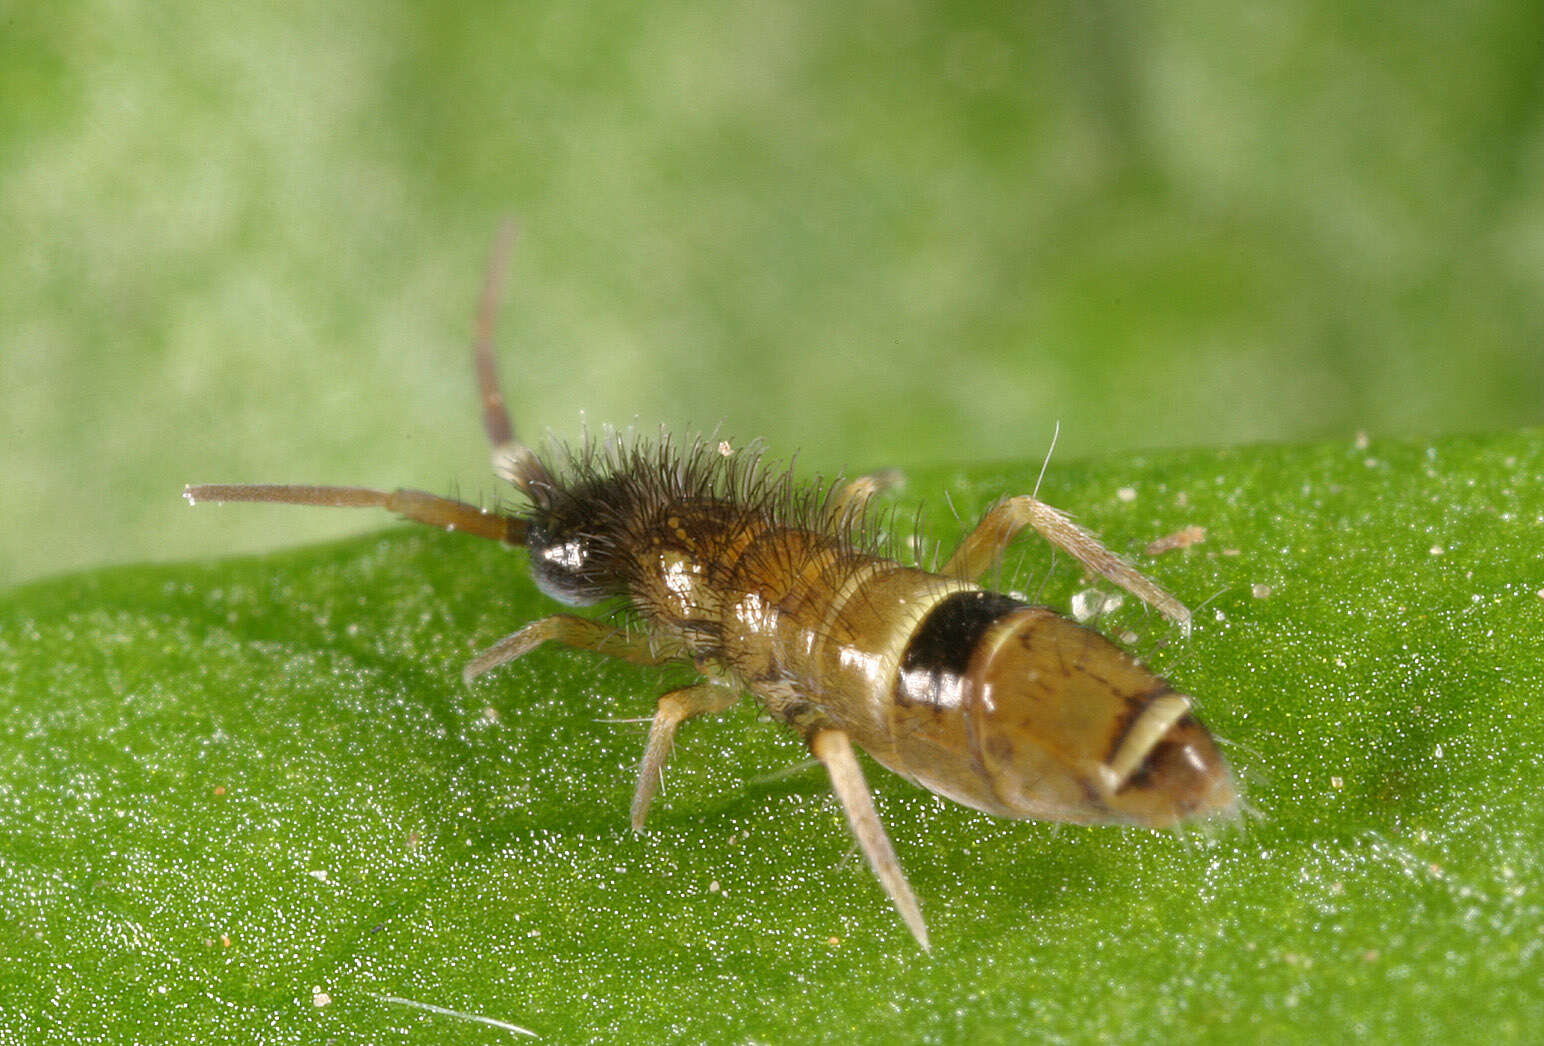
x=939 y=651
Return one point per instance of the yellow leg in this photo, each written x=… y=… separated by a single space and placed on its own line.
x=675 y=707
x=578 y=632
x=983 y=547
x=833 y=749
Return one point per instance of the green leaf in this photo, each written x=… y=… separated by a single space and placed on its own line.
x=251 y=800
x=245 y=240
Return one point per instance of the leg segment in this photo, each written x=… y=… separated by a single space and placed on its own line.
x=415 y=505
x=675 y=707
x=982 y=549
x=833 y=749
x=579 y=632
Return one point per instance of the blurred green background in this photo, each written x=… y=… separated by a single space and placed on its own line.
x=243 y=242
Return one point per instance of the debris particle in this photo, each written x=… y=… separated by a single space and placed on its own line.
x=319 y=998
x=445 y=1011
x=1127 y=494
x=1260 y=591
x=1090 y=603
x=1182 y=538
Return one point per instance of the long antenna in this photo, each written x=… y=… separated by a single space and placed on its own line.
x=512 y=458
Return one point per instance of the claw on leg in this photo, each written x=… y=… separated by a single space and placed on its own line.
x=833 y=749
x=675 y=707
x=983 y=547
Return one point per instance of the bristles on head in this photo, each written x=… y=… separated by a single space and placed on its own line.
x=594 y=530
x=661 y=470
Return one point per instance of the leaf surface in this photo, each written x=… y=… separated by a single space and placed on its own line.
x=251 y=801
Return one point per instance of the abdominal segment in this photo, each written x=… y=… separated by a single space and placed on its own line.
x=1006 y=707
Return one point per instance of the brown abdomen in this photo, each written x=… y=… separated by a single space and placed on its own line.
x=1021 y=712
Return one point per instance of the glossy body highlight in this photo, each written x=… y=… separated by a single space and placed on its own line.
x=1009 y=708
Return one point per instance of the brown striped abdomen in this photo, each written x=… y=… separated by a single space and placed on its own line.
x=1009 y=708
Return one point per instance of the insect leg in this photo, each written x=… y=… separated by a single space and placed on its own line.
x=574 y=631
x=512 y=459
x=675 y=707
x=833 y=748
x=415 y=505
x=983 y=548
x=849 y=501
